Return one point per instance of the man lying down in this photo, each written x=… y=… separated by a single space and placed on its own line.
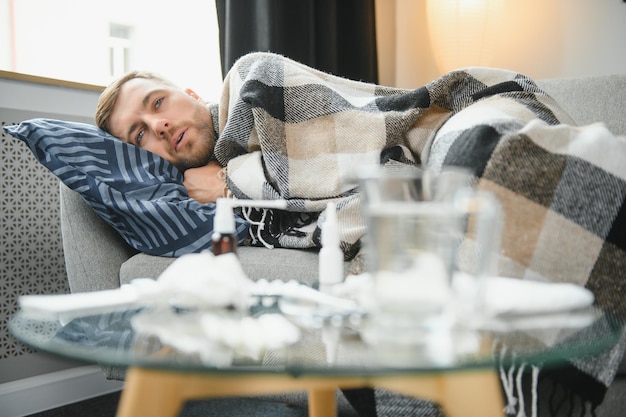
x=284 y=130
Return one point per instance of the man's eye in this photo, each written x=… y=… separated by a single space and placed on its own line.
x=139 y=137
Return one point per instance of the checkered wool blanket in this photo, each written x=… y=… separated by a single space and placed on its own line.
x=289 y=131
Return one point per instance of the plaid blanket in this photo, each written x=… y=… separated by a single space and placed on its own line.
x=289 y=131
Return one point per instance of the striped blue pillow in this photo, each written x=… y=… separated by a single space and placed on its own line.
x=137 y=192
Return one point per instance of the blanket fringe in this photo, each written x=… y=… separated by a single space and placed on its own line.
x=512 y=381
x=534 y=388
x=507 y=385
x=521 y=411
x=256 y=227
x=246 y=212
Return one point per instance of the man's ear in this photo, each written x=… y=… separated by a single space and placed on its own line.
x=192 y=93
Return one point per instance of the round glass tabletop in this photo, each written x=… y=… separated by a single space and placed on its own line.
x=268 y=340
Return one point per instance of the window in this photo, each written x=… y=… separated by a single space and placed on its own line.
x=119 y=51
x=94 y=41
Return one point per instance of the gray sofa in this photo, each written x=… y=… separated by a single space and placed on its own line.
x=96 y=257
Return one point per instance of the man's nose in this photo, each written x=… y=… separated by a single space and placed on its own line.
x=160 y=126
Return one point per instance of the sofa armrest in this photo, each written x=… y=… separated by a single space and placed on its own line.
x=92 y=249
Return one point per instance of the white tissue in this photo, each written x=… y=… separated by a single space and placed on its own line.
x=500 y=295
x=517 y=296
x=248 y=335
x=205 y=280
x=200 y=280
x=68 y=306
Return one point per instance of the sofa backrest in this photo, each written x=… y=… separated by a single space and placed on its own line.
x=592 y=99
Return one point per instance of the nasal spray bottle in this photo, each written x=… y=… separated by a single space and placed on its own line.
x=331 y=255
x=330 y=274
x=224 y=233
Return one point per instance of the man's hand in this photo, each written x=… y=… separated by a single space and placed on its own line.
x=204 y=184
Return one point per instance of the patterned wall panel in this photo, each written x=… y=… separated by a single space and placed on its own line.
x=31 y=253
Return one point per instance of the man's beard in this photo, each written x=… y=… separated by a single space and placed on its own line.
x=202 y=153
x=203 y=149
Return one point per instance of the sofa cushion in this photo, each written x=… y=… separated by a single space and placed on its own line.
x=258 y=263
x=133 y=190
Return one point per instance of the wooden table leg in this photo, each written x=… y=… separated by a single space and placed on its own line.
x=471 y=393
x=475 y=393
x=322 y=402
x=146 y=394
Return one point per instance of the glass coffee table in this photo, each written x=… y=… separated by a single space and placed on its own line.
x=171 y=360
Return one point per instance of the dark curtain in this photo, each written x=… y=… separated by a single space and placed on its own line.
x=335 y=36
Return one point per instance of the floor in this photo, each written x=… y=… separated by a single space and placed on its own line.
x=106 y=406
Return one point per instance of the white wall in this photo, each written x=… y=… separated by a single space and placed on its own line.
x=5 y=33
x=540 y=38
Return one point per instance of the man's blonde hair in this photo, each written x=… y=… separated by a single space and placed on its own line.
x=109 y=96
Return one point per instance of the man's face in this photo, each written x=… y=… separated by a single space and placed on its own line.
x=166 y=121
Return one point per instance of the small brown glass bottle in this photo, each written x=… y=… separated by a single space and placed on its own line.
x=223 y=243
x=224 y=236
